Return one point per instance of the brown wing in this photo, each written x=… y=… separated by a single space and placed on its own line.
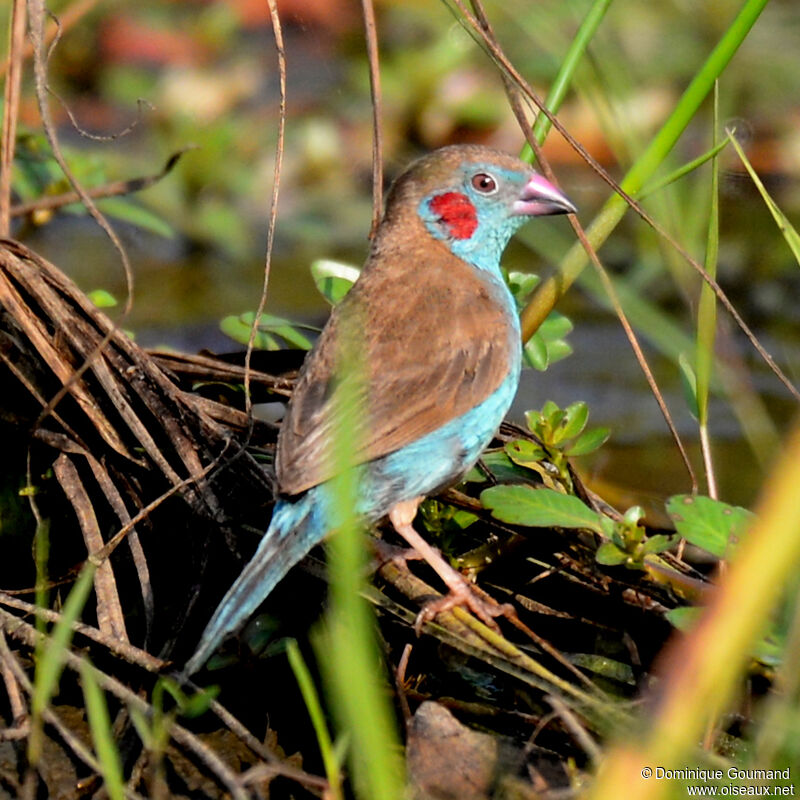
x=436 y=343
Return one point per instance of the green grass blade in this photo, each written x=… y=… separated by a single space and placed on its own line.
x=103 y=737
x=548 y=292
x=707 y=665
x=707 y=308
x=561 y=84
x=314 y=708
x=50 y=657
x=348 y=651
x=786 y=228
x=682 y=171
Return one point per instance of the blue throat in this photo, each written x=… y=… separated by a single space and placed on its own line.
x=495 y=225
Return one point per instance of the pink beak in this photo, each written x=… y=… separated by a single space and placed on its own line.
x=540 y=198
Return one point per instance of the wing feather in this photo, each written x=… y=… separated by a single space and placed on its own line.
x=437 y=340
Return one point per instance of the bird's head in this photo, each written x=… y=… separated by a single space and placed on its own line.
x=473 y=199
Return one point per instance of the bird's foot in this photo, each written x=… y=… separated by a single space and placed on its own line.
x=464 y=594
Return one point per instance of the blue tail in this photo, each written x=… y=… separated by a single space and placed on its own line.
x=295 y=528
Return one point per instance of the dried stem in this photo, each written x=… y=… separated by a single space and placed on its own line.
x=114 y=189
x=516 y=105
x=69 y=17
x=280 y=50
x=371 y=35
x=11 y=110
x=555 y=287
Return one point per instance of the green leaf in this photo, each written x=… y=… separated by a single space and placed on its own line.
x=689 y=385
x=524 y=452
x=50 y=655
x=313 y=705
x=558 y=350
x=135 y=214
x=535 y=352
x=786 y=228
x=333 y=279
x=588 y=442
x=546 y=346
x=501 y=467
x=199 y=703
x=534 y=420
x=610 y=555
x=574 y=420
x=142 y=725
x=238 y=328
x=633 y=516
x=102 y=299
x=556 y=326
x=521 y=285
x=289 y=333
x=684 y=617
x=769 y=649
x=463 y=519
x=658 y=543
x=552 y=414
x=539 y=508
x=711 y=524
x=102 y=734
x=605 y=667
x=679 y=173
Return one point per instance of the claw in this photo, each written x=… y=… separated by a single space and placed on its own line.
x=467 y=596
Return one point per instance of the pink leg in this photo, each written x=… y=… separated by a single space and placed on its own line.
x=462 y=592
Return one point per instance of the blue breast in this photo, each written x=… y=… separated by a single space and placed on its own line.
x=438 y=459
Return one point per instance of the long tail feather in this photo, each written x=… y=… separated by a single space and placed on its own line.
x=295 y=528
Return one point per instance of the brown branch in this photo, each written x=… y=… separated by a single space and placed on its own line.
x=36 y=12
x=114 y=498
x=110 y=618
x=36 y=332
x=114 y=189
x=516 y=105
x=25 y=633
x=280 y=51
x=371 y=35
x=64 y=731
x=121 y=649
x=501 y=60
x=141 y=658
x=66 y=20
x=11 y=110
x=19 y=711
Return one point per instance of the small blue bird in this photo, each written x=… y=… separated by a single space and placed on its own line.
x=440 y=353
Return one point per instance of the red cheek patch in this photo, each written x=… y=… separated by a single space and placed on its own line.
x=457 y=212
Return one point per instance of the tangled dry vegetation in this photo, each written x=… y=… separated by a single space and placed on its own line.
x=147 y=465
x=135 y=484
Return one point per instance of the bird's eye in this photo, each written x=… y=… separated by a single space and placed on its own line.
x=484 y=183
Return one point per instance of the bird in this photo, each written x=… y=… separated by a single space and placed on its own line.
x=439 y=358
